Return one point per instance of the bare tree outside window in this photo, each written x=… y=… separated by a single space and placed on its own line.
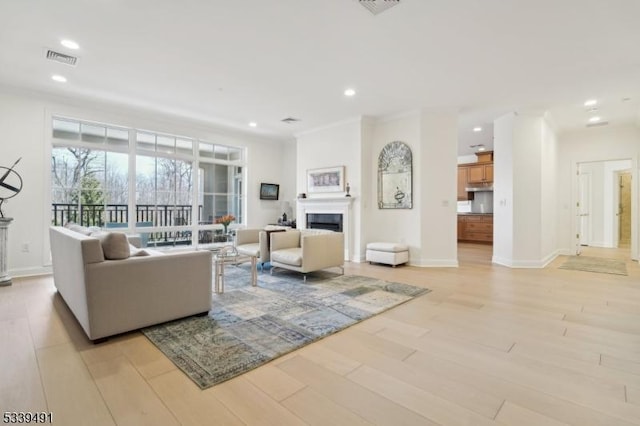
x=90 y=180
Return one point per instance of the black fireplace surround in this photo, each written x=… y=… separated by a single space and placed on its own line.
x=330 y=221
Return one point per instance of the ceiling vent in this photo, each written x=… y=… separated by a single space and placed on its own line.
x=378 y=6
x=290 y=120
x=61 y=57
x=598 y=124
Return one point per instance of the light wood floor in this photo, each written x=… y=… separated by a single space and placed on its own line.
x=489 y=345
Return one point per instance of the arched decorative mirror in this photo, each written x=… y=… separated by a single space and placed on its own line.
x=395 y=176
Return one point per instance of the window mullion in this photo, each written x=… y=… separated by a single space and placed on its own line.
x=133 y=210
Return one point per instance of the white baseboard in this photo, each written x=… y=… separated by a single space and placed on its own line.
x=550 y=258
x=526 y=264
x=30 y=272
x=434 y=263
x=358 y=259
x=501 y=261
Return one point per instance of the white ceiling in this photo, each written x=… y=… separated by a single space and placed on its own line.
x=235 y=61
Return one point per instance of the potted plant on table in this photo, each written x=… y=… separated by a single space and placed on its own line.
x=225 y=221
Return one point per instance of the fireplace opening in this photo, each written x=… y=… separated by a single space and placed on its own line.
x=330 y=221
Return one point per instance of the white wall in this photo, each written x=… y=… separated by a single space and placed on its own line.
x=503 y=175
x=25 y=128
x=605 y=143
x=22 y=129
x=331 y=146
x=527 y=189
x=368 y=207
x=549 y=200
x=524 y=191
x=429 y=228
x=281 y=171
x=436 y=178
x=397 y=225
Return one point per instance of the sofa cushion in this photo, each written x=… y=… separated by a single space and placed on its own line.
x=290 y=256
x=251 y=249
x=388 y=247
x=115 y=245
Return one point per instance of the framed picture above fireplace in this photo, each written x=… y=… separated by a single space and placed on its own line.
x=269 y=191
x=329 y=179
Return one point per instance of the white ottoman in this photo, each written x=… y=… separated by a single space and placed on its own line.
x=389 y=253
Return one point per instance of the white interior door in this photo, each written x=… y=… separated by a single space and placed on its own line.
x=584 y=207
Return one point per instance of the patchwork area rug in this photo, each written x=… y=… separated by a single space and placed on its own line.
x=249 y=326
x=595 y=264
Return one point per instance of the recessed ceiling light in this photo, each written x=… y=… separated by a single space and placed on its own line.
x=70 y=44
x=253 y=124
x=482 y=148
x=590 y=102
x=594 y=119
x=477 y=129
x=349 y=92
x=59 y=78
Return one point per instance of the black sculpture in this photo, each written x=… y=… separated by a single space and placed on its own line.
x=10 y=184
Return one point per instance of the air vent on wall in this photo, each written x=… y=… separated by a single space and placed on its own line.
x=61 y=57
x=378 y=6
x=290 y=120
x=598 y=124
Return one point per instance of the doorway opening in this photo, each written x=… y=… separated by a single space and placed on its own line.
x=624 y=209
x=604 y=209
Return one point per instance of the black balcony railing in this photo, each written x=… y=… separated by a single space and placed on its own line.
x=102 y=215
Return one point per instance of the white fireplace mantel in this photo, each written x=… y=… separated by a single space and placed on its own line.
x=330 y=205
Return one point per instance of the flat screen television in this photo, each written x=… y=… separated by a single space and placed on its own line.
x=269 y=191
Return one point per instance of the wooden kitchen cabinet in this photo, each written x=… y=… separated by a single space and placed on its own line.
x=480 y=173
x=463 y=179
x=475 y=228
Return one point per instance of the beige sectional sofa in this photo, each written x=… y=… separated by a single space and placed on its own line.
x=307 y=250
x=109 y=297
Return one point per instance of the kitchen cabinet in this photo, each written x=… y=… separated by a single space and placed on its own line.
x=475 y=228
x=463 y=180
x=480 y=173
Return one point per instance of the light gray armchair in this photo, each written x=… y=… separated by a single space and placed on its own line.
x=249 y=243
x=255 y=242
x=307 y=250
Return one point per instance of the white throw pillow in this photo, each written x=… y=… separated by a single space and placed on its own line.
x=77 y=228
x=135 y=251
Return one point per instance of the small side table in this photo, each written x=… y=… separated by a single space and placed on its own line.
x=229 y=254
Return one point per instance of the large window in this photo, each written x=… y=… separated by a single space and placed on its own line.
x=179 y=186
x=220 y=178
